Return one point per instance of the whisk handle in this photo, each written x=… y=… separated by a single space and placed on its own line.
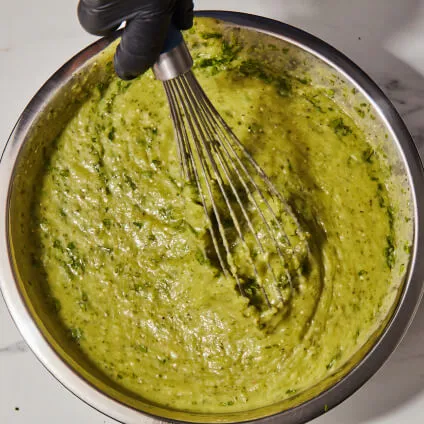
x=175 y=58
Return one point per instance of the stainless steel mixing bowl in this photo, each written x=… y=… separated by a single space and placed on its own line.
x=53 y=106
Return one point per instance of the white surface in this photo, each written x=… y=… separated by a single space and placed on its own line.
x=385 y=37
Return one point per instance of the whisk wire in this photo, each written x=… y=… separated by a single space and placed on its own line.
x=213 y=157
x=225 y=133
x=211 y=125
x=211 y=114
x=180 y=130
x=195 y=130
x=225 y=130
x=207 y=140
x=185 y=148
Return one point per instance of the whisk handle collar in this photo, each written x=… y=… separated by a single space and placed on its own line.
x=175 y=58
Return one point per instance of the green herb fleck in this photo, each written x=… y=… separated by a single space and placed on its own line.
x=143 y=348
x=315 y=104
x=57 y=245
x=380 y=196
x=56 y=305
x=254 y=68
x=76 y=334
x=367 y=155
x=360 y=112
x=304 y=81
x=391 y=216
x=111 y=134
x=64 y=173
x=252 y=290
x=166 y=212
x=101 y=87
x=335 y=358
x=107 y=223
x=201 y=258
x=151 y=237
x=289 y=165
x=130 y=182
x=389 y=251
x=340 y=128
x=283 y=86
x=229 y=52
x=209 y=35
x=123 y=85
x=229 y=403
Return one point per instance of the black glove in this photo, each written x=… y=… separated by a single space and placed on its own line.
x=147 y=23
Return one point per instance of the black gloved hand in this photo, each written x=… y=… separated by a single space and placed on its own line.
x=147 y=23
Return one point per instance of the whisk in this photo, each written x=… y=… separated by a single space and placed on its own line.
x=253 y=231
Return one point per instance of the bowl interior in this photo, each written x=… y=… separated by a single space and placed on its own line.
x=59 y=106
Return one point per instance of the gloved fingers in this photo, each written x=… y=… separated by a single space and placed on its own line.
x=101 y=17
x=183 y=14
x=145 y=32
x=141 y=43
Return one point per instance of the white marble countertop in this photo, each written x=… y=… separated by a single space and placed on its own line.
x=385 y=38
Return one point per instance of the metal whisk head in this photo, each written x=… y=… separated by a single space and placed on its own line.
x=253 y=231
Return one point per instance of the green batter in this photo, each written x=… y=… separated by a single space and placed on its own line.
x=124 y=242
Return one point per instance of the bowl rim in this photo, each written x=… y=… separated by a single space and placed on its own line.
x=386 y=342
